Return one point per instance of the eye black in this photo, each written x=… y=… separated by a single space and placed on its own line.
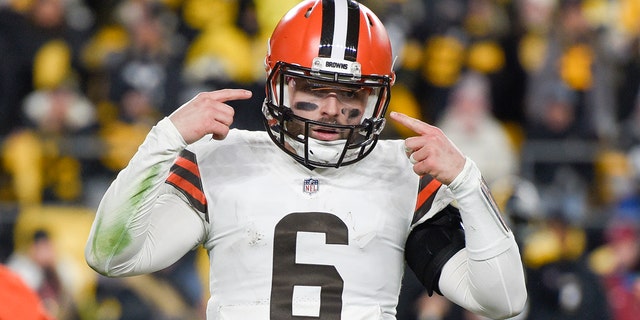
x=351 y=113
x=305 y=106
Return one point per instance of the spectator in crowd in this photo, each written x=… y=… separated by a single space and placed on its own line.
x=40 y=158
x=25 y=29
x=469 y=123
x=43 y=271
x=618 y=262
x=563 y=177
x=572 y=59
x=630 y=126
x=561 y=283
x=151 y=64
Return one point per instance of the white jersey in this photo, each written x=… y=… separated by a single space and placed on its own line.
x=283 y=240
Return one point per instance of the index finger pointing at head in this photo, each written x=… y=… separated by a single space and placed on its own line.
x=416 y=125
x=231 y=94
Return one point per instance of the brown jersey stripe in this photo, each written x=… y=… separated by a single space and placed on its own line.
x=192 y=192
x=185 y=176
x=188 y=164
x=186 y=154
x=426 y=194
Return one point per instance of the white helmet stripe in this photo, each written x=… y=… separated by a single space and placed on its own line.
x=340 y=28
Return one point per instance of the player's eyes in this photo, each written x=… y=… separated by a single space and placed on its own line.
x=351 y=113
x=351 y=94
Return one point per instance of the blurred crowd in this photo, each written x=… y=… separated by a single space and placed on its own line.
x=544 y=95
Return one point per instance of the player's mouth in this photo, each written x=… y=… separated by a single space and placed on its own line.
x=325 y=134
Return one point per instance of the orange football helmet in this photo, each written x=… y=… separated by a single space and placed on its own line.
x=339 y=44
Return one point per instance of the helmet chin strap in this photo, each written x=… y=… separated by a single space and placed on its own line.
x=319 y=150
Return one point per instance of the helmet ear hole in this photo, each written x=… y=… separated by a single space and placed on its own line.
x=308 y=13
x=369 y=19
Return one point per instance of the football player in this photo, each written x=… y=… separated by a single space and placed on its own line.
x=316 y=217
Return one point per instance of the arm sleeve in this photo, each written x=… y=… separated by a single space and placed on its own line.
x=431 y=244
x=487 y=277
x=142 y=224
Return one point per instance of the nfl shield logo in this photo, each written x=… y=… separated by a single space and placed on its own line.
x=310 y=186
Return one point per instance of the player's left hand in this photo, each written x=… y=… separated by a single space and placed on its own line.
x=431 y=151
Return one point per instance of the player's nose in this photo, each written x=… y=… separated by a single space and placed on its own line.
x=331 y=105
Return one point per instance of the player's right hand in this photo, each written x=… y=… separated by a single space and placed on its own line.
x=207 y=113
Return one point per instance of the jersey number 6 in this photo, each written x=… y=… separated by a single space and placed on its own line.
x=287 y=273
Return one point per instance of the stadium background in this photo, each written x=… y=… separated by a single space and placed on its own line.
x=543 y=94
